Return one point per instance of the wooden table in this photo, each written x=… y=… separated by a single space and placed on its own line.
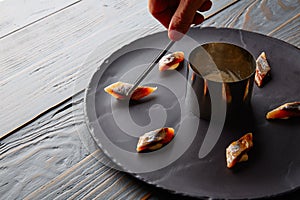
x=46 y=61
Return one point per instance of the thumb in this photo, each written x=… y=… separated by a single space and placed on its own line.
x=183 y=18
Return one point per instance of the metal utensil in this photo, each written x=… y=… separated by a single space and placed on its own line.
x=149 y=68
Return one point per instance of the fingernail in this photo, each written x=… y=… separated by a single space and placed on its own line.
x=175 y=35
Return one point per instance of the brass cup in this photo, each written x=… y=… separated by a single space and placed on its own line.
x=222 y=77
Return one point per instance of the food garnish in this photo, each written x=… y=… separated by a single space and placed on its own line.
x=285 y=111
x=263 y=70
x=120 y=89
x=171 y=61
x=154 y=140
x=237 y=150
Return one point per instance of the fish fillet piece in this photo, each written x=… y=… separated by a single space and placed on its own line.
x=170 y=61
x=263 y=69
x=154 y=140
x=237 y=150
x=119 y=90
x=285 y=111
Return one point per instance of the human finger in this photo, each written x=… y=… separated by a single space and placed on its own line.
x=205 y=6
x=163 y=10
x=183 y=18
x=198 y=19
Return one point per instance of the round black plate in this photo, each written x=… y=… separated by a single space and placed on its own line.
x=274 y=162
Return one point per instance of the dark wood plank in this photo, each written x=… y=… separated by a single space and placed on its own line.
x=41 y=151
x=52 y=66
x=16 y=15
x=55 y=157
x=89 y=179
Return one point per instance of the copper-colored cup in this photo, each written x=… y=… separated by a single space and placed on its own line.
x=221 y=76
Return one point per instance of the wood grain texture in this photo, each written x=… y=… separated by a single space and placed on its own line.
x=55 y=158
x=41 y=151
x=262 y=16
x=217 y=6
x=90 y=179
x=49 y=56
x=16 y=14
x=48 y=64
x=289 y=31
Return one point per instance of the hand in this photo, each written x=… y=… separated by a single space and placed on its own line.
x=178 y=15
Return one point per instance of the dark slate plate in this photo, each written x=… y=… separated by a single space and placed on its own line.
x=274 y=163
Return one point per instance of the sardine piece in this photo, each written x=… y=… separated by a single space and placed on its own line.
x=119 y=90
x=171 y=61
x=285 y=111
x=237 y=150
x=263 y=70
x=154 y=140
